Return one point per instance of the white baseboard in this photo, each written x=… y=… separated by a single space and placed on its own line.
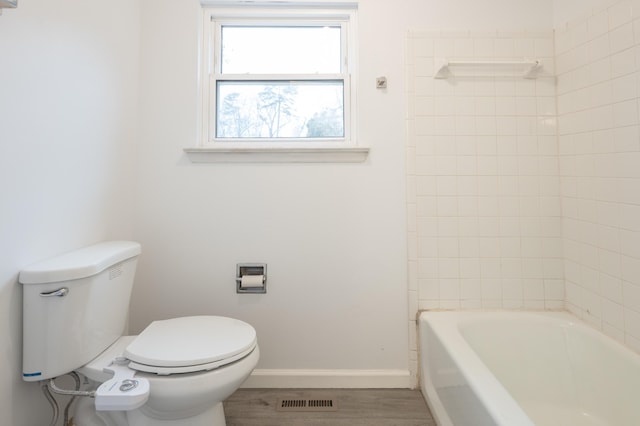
x=272 y=378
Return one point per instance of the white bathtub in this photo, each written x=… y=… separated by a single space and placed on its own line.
x=523 y=369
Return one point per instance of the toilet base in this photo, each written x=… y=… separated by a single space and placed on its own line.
x=86 y=415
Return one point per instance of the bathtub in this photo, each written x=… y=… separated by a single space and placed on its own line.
x=524 y=369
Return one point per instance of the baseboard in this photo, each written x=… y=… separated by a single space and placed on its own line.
x=272 y=378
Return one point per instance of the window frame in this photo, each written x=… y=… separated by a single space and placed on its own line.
x=278 y=14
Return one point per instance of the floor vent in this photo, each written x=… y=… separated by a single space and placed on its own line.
x=307 y=405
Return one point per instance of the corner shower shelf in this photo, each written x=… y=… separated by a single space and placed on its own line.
x=526 y=68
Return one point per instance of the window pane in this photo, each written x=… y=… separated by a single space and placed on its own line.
x=280 y=50
x=280 y=109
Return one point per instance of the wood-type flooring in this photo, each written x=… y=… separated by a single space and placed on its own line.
x=356 y=407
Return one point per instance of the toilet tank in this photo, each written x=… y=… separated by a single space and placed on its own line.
x=75 y=306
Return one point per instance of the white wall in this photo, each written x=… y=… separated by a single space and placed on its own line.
x=331 y=234
x=68 y=110
x=570 y=10
x=599 y=141
x=504 y=15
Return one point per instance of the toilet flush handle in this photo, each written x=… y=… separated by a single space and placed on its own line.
x=61 y=292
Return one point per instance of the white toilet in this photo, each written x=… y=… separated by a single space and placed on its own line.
x=176 y=372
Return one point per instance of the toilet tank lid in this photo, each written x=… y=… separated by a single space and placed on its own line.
x=80 y=263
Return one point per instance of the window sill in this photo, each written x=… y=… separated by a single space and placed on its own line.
x=277 y=155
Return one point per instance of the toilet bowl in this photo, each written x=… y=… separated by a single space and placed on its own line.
x=176 y=372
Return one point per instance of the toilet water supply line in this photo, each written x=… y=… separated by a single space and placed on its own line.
x=52 y=401
x=51 y=386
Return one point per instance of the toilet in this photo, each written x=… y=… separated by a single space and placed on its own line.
x=176 y=372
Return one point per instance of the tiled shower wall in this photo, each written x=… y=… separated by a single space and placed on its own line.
x=599 y=147
x=484 y=190
x=484 y=207
x=526 y=193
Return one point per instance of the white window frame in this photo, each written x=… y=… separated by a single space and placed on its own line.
x=218 y=13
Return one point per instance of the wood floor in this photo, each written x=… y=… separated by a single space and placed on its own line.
x=356 y=407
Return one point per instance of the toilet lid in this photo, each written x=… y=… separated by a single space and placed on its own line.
x=190 y=344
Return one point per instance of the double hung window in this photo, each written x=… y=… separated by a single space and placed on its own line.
x=278 y=75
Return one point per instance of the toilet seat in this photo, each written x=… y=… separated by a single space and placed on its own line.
x=190 y=344
x=164 y=371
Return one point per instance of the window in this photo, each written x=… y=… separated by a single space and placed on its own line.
x=278 y=74
x=280 y=82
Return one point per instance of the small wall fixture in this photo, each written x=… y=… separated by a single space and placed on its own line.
x=381 y=83
x=251 y=278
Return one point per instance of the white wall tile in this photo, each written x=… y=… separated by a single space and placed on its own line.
x=544 y=48
x=579 y=34
x=487 y=159
x=471 y=289
x=545 y=105
x=623 y=63
x=599 y=71
x=484 y=47
x=443 y=47
x=466 y=145
x=619 y=14
x=465 y=105
x=605 y=169
x=464 y=87
x=421 y=46
x=627 y=139
x=624 y=88
x=428 y=289
x=600 y=47
x=632 y=323
x=488 y=205
x=524 y=47
x=625 y=113
x=597 y=25
x=485 y=106
x=636 y=31
x=463 y=48
x=491 y=290
x=444 y=145
x=443 y=106
x=504 y=48
x=424 y=67
x=621 y=38
x=562 y=41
